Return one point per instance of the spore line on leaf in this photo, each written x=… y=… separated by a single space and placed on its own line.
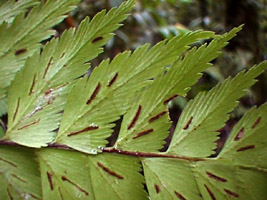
x=114 y=78
x=188 y=123
x=8 y=162
x=20 y=51
x=246 y=148
x=215 y=177
x=157 y=116
x=109 y=171
x=138 y=112
x=89 y=128
x=157 y=188
x=170 y=99
x=181 y=197
x=50 y=181
x=97 y=39
x=256 y=122
x=231 y=193
x=210 y=192
x=47 y=67
x=143 y=133
x=18 y=178
x=64 y=178
x=93 y=96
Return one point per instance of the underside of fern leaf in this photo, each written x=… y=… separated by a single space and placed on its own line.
x=65 y=115
x=25 y=32
x=60 y=63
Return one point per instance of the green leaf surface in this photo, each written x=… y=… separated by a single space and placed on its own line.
x=19 y=174
x=247 y=143
x=147 y=124
x=73 y=175
x=38 y=94
x=53 y=103
x=64 y=175
x=97 y=101
x=26 y=33
x=195 y=134
x=222 y=179
x=3 y=107
x=170 y=179
x=212 y=179
x=34 y=111
x=10 y=9
x=118 y=177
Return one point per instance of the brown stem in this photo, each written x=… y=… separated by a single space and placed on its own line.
x=112 y=150
x=54 y=145
x=149 y=155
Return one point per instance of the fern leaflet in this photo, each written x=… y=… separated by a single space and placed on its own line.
x=57 y=106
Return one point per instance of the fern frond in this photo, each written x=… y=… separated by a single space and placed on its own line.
x=52 y=89
x=73 y=175
x=117 y=177
x=19 y=174
x=38 y=94
x=10 y=9
x=168 y=178
x=97 y=102
x=247 y=143
x=22 y=37
x=152 y=125
x=195 y=134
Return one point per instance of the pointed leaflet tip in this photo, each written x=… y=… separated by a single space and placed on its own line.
x=165 y=87
x=218 y=103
